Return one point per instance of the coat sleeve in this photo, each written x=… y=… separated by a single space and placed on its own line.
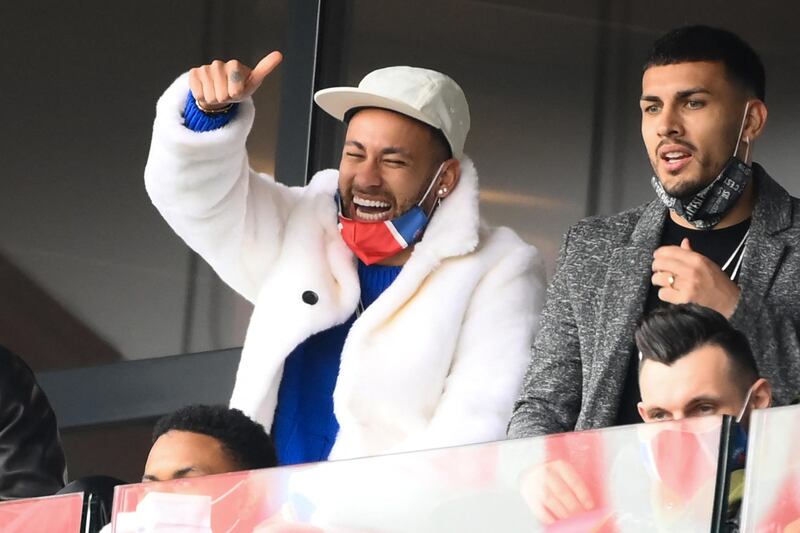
x=773 y=336
x=31 y=458
x=202 y=185
x=551 y=393
x=490 y=355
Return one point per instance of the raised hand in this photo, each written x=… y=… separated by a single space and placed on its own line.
x=687 y=276
x=220 y=84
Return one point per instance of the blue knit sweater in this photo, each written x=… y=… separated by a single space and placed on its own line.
x=196 y=120
x=304 y=428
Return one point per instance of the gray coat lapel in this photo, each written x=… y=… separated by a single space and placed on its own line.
x=765 y=248
x=622 y=303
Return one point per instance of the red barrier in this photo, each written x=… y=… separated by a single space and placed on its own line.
x=52 y=514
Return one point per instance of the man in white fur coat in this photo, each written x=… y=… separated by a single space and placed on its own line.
x=387 y=316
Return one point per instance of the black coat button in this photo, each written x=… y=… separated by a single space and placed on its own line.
x=310 y=297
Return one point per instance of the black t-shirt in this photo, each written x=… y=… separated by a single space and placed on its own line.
x=718 y=245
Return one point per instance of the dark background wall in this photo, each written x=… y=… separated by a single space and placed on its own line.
x=74 y=216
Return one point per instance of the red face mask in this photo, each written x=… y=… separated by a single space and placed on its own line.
x=373 y=242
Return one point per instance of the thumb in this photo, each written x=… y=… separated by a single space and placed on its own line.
x=262 y=70
x=685 y=244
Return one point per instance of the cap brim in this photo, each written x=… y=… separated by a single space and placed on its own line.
x=337 y=101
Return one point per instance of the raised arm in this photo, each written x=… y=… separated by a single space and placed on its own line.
x=771 y=327
x=199 y=179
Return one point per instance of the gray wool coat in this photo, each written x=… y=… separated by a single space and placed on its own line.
x=580 y=358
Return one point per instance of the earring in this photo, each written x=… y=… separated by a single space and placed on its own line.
x=442 y=191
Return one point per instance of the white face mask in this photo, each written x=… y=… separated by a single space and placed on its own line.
x=164 y=512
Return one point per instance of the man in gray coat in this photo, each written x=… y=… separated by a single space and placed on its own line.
x=721 y=234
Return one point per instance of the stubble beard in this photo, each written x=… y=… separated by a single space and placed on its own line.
x=686 y=189
x=681 y=187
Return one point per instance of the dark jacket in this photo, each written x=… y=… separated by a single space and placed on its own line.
x=31 y=459
x=581 y=355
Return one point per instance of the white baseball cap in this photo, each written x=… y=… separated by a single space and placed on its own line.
x=422 y=94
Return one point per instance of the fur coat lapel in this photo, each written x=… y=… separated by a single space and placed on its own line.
x=314 y=258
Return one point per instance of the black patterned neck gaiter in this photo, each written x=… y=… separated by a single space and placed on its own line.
x=706 y=208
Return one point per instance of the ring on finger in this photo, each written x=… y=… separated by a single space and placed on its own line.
x=671 y=281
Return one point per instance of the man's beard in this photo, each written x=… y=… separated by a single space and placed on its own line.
x=685 y=191
x=682 y=188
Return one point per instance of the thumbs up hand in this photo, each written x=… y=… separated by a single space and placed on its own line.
x=220 y=84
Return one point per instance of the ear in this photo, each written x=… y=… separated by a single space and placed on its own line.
x=755 y=121
x=448 y=179
x=762 y=394
x=642 y=411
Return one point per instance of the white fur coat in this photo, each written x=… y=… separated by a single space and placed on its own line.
x=436 y=360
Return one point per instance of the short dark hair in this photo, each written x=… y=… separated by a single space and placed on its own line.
x=442 y=144
x=704 y=43
x=668 y=333
x=246 y=441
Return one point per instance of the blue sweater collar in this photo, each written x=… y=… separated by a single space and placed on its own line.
x=374 y=280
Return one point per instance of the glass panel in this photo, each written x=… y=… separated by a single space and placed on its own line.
x=54 y=514
x=772 y=479
x=89 y=272
x=655 y=477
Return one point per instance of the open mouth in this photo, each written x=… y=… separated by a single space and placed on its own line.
x=675 y=159
x=371 y=210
